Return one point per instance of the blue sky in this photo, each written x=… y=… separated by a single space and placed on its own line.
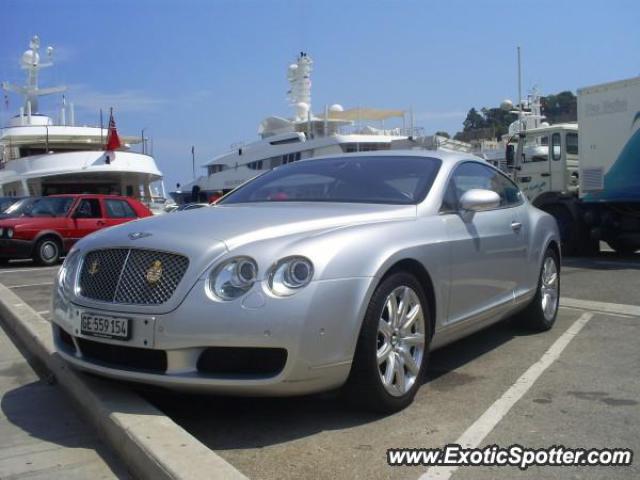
x=205 y=73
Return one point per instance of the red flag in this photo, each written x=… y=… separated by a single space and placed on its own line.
x=113 y=141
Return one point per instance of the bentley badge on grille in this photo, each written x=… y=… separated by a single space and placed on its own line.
x=94 y=267
x=154 y=272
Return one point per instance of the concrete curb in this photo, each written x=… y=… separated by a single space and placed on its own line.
x=151 y=445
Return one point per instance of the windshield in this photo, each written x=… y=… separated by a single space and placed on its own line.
x=379 y=179
x=40 y=207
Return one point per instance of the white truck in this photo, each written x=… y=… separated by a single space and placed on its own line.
x=587 y=175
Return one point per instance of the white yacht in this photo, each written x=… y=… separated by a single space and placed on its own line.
x=305 y=135
x=40 y=156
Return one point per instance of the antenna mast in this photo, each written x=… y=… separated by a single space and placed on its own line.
x=31 y=62
x=299 y=94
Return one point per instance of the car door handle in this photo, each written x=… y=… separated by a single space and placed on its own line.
x=545 y=174
x=516 y=226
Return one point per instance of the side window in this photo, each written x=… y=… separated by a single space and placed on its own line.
x=536 y=148
x=555 y=146
x=89 y=208
x=119 y=209
x=472 y=175
x=572 y=143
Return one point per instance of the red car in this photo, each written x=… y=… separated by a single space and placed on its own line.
x=44 y=228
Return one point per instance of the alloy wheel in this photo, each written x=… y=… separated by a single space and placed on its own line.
x=400 y=340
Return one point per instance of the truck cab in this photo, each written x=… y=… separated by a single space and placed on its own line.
x=545 y=162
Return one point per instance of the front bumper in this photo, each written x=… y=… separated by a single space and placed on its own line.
x=308 y=338
x=15 y=248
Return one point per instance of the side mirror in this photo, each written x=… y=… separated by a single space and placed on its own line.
x=477 y=200
x=509 y=154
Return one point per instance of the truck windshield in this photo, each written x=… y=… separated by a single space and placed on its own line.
x=376 y=179
x=40 y=207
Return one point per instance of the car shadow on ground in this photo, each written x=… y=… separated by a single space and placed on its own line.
x=604 y=261
x=227 y=423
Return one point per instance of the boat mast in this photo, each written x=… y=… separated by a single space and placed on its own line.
x=32 y=63
x=299 y=94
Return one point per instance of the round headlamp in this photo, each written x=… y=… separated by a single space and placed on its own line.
x=66 y=274
x=9 y=232
x=233 y=278
x=289 y=275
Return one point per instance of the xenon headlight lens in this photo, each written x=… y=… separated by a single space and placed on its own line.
x=290 y=275
x=233 y=278
x=66 y=274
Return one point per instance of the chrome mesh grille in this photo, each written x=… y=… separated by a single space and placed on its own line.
x=131 y=276
x=100 y=272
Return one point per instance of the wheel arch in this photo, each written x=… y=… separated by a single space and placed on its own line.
x=48 y=234
x=416 y=268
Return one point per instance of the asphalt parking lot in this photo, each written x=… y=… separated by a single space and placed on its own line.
x=586 y=396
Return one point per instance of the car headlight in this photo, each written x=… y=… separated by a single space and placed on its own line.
x=233 y=278
x=9 y=232
x=289 y=275
x=66 y=274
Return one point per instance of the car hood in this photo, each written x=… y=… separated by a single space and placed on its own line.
x=238 y=224
x=206 y=234
x=9 y=221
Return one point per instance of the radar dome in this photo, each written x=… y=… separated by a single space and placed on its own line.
x=30 y=58
x=544 y=124
x=336 y=107
x=506 y=104
x=293 y=66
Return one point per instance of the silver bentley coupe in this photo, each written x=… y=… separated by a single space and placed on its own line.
x=329 y=273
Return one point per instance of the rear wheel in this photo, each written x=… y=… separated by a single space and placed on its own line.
x=566 y=226
x=541 y=313
x=47 y=251
x=391 y=354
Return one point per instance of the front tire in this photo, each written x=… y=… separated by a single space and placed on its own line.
x=541 y=313
x=47 y=251
x=393 y=346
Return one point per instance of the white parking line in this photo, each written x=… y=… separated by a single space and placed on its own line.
x=472 y=437
x=29 y=285
x=600 y=306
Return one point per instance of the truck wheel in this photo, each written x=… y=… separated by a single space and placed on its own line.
x=391 y=354
x=47 y=251
x=540 y=314
x=623 y=248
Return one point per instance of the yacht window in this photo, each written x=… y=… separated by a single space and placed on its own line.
x=119 y=209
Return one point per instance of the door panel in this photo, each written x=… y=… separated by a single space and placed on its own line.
x=88 y=217
x=488 y=248
x=488 y=251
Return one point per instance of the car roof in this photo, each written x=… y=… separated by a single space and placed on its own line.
x=444 y=155
x=92 y=195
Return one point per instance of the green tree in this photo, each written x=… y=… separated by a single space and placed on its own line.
x=473 y=121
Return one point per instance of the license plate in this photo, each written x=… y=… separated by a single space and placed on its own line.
x=105 y=326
